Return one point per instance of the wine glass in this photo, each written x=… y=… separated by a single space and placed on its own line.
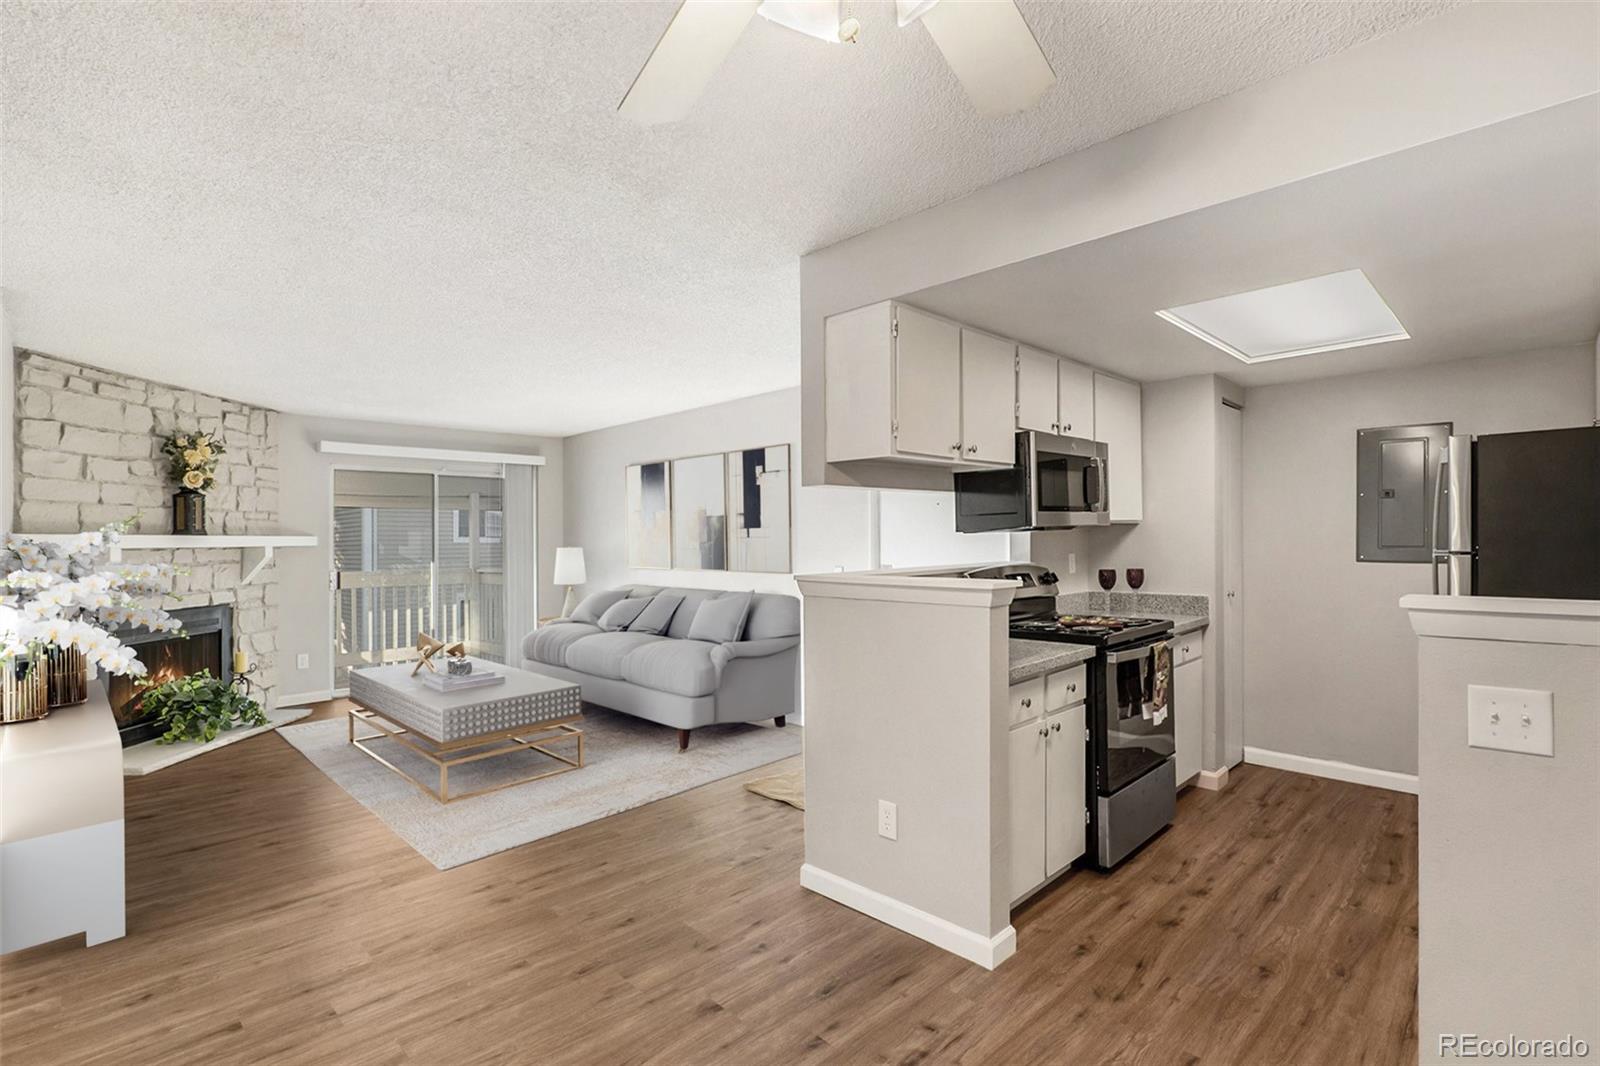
x=1135 y=577
x=1108 y=579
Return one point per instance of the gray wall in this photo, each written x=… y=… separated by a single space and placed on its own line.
x=1329 y=658
x=305 y=613
x=1508 y=852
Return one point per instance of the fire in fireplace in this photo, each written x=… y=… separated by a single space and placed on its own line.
x=205 y=643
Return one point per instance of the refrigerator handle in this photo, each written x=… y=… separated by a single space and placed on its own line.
x=1440 y=517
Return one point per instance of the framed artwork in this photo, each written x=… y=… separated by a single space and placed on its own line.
x=699 y=513
x=760 y=524
x=649 y=516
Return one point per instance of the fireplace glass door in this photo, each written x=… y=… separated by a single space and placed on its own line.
x=415 y=552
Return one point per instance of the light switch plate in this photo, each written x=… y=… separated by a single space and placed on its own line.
x=1511 y=719
x=887 y=821
x=302 y=661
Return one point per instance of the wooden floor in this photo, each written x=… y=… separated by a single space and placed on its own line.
x=272 y=919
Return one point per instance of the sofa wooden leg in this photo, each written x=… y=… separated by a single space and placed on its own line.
x=683 y=740
x=778 y=721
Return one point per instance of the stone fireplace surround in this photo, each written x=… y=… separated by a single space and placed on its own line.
x=88 y=449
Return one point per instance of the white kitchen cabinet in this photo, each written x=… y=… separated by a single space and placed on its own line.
x=895 y=385
x=1028 y=830
x=1118 y=425
x=988 y=395
x=1075 y=400
x=1037 y=390
x=1054 y=395
x=1189 y=706
x=1048 y=805
x=1066 y=826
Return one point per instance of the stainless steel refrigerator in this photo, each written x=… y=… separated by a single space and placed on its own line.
x=1519 y=515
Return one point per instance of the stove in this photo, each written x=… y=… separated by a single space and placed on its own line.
x=1100 y=630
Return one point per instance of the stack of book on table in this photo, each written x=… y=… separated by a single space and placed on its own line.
x=480 y=676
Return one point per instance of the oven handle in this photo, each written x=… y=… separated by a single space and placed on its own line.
x=1141 y=652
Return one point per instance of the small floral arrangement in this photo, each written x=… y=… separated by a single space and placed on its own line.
x=62 y=594
x=192 y=459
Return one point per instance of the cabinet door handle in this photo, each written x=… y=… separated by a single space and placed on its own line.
x=955 y=447
x=1069 y=425
x=1043 y=732
x=1056 y=728
x=973 y=448
x=1027 y=701
x=1074 y=686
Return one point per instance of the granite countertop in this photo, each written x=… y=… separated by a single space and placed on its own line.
x=1035 y=658
x=1185 y=623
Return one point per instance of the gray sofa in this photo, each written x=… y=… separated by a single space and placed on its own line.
x=668 y=677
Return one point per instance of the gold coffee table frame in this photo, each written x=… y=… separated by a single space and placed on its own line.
x=457 y=752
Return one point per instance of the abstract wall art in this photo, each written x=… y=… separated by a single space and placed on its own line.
x=649 y=516
x=699 y=513
x=758 y=494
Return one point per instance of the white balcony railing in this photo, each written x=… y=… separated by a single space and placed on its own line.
x=380 y=612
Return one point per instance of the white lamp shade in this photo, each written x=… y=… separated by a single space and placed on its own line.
x=569 y=567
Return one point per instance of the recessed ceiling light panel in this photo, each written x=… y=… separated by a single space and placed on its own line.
x=1323 y=314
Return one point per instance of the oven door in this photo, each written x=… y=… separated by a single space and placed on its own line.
x=1067 y=481
x=1133 y=718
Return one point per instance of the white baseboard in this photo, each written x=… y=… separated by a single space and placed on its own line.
x=301 y=699
x=987 y=952
x=1338 y=771
x=1212 y=780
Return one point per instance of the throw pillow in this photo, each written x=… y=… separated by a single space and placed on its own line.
x=721 y=620
x=656 y=617
x=619 y=614
x=596 y=604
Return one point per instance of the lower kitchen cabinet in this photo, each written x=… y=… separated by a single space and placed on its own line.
x=1047 y=805
x=1189 y=706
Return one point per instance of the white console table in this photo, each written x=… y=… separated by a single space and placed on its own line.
x=61 y=827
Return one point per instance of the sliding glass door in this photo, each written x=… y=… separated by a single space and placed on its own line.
x=415 y=552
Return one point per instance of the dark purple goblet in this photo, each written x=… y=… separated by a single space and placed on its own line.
x=1108 y=579
x=1135 y=577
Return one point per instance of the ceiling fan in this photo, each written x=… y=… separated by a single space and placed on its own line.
x=986 y=42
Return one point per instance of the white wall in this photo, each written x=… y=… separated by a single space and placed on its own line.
x=305 y=506
x=832 y=526
x=1330 y=660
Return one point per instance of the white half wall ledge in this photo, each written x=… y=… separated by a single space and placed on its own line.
x=1332 y=769
x=447 y=455
x=893 y=587
x=1506 y=618
x=986 y=951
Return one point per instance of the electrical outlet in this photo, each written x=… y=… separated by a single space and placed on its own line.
x=1072 y=562
x=302 y=661
x=1511 y=719
x=887 y=821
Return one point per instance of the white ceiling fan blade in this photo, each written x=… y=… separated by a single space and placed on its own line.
x=696 y=42
x=992 y=51
x=814 y=18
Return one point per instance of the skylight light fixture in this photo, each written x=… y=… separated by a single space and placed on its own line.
x=1321 y=314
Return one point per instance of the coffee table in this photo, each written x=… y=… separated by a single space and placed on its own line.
x=525 y=713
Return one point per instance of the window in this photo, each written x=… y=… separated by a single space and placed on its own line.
x=490 y=525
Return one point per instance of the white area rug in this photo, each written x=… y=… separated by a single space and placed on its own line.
x=628 y=763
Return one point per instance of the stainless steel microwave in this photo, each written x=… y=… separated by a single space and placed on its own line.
x=1057 y=482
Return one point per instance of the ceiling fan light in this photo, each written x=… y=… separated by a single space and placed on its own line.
x=909 y=11
x=814 y=18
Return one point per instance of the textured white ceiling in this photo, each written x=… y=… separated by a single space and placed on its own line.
x=431 y=213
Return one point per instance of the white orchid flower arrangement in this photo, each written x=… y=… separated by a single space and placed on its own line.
x=192 y=458
x=64 y=594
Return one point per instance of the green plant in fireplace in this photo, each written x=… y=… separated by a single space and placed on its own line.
x=199 y=707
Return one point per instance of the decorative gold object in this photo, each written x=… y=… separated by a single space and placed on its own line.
x=428 y=647
x=67 y=676
x=24 y=693
x=471 y=749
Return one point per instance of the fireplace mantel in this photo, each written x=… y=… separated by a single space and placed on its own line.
x=257 y=548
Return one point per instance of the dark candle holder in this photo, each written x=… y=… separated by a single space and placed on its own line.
x=1108 y=579
x=1135 y=577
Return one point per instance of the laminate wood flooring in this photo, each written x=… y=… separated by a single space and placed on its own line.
x=272 y=919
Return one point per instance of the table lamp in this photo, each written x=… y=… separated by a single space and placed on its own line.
x=569 y=572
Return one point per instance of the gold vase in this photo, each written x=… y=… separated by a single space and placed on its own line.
x=67 y=673
x=24 y=693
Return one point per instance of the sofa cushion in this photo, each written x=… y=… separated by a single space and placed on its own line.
x=656 y=617
x=722 y=619
x=549 y=643
x=772 y=615
x=596 y=604
x=602 y=653
x=620 y=615
x=684 y=667
x=683 y=617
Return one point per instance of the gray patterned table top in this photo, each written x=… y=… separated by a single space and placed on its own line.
x=523 y=699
